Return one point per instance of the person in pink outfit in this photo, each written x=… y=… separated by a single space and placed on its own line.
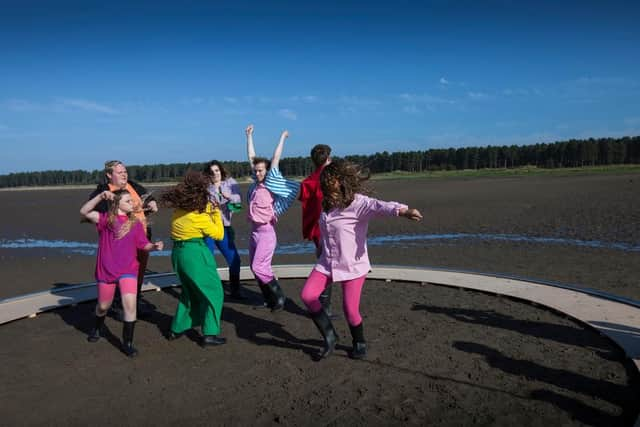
x=269 y=196
x=121 y=235
x=345 y=217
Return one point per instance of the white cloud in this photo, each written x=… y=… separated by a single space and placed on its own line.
x=231 y=100
x=444 y=81
x=60 y=105
x=411 y=109
x=425 y=99
x=477 y=95
x=86 y=105
x=288 y=114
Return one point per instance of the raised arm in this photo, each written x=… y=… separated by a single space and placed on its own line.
x=277 y=153
x=88 y=212
x=251 y=152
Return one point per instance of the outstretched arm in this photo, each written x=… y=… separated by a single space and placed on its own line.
x=277 y=153
x=251 y=152
x=87 y=210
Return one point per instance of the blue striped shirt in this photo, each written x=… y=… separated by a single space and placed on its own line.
x=284 y=191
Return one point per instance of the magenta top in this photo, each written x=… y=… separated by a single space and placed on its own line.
x=261 y=206
x=343 y=236
x=118 y=257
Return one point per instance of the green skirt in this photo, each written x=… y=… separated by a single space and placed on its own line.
x=202 y=295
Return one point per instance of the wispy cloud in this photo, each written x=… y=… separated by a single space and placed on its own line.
x=424 y=100
x=3 y=126
x=443 y=81
x=231 y=99
x=411 y=109
x=287 y=114
x=87 y=105
x=59 y=105
x=478 y=96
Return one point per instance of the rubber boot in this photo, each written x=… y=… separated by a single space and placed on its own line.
x=324 y=325
x=359 y=350
x=236 y=289
x=325 y=301
x=266 y=294
x=94 y=334
x=212 y=340
x=278 y=295
x=127 y=339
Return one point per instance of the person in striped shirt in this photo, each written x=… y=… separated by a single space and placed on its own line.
x=268 y=198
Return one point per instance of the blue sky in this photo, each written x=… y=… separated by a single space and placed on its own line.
x=162 y=82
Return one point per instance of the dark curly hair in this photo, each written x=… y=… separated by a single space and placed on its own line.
x=352 y=180
x=207 y=169
x=192 y=194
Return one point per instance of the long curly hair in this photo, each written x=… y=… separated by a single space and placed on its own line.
x=351 y=178
x=191 y=194
x=112 y=221
x=207 y=170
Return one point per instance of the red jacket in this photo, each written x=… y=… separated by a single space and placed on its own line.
x=311 y=198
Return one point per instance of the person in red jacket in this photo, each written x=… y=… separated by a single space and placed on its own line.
x=311 y=198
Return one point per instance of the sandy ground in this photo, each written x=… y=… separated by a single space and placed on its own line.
x=438 y=356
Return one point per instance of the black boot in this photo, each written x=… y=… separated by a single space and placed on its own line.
x=359 y=350
x=278 y=295
x=266 y=294
x=127 y=339
x=211 y=340
x=94 y=334
x=236 y=289
x=324 y=325
x=325 y=301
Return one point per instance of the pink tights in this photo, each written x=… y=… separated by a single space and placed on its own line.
x=351 y=292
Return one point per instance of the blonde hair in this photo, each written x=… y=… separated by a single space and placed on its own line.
x=114 y=204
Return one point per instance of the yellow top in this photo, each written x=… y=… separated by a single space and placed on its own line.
x=187 y=225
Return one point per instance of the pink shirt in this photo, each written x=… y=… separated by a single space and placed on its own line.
x=118 y=257
x=343 y=235
x=261 y=206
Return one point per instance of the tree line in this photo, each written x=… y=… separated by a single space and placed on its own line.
x=571 y=153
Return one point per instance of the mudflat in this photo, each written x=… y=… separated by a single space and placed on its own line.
x=438 y=356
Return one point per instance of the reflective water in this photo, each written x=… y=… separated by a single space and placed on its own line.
x=404 y=240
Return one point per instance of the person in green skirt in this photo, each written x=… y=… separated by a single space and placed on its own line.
x=195 y=218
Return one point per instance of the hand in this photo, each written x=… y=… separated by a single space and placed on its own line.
x=285 y=134
x=151 y=207
x=107 y=195
x=249 y=130
x=226 y=195
x=159 y=245
x=412 y=214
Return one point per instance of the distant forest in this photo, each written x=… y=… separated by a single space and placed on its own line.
x=572 y=153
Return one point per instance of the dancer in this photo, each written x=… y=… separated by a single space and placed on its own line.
x=202 y=296
x=117 y=178
x=311 y=198
x=121 y=235
x=269 y=197
x=346 y=212
x=225 y=192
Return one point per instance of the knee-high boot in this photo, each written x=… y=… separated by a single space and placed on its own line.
x=324 y=325
x=236 y=289
x=127 y=338
x=94 y=334
x=278 y=295
x=266 y=294
x=359 y=350
x=325 y=300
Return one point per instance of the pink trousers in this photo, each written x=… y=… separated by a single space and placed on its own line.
x=351 y=292
x=261 y=248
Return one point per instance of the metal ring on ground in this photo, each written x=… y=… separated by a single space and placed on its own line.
x=615 y=317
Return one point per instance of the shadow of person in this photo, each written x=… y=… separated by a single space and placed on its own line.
x=82 y=318
x=261 y=332
x=576 y=336
x=572 y=381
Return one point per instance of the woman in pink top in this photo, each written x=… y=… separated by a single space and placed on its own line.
x=120 y=236
x=343 y=233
